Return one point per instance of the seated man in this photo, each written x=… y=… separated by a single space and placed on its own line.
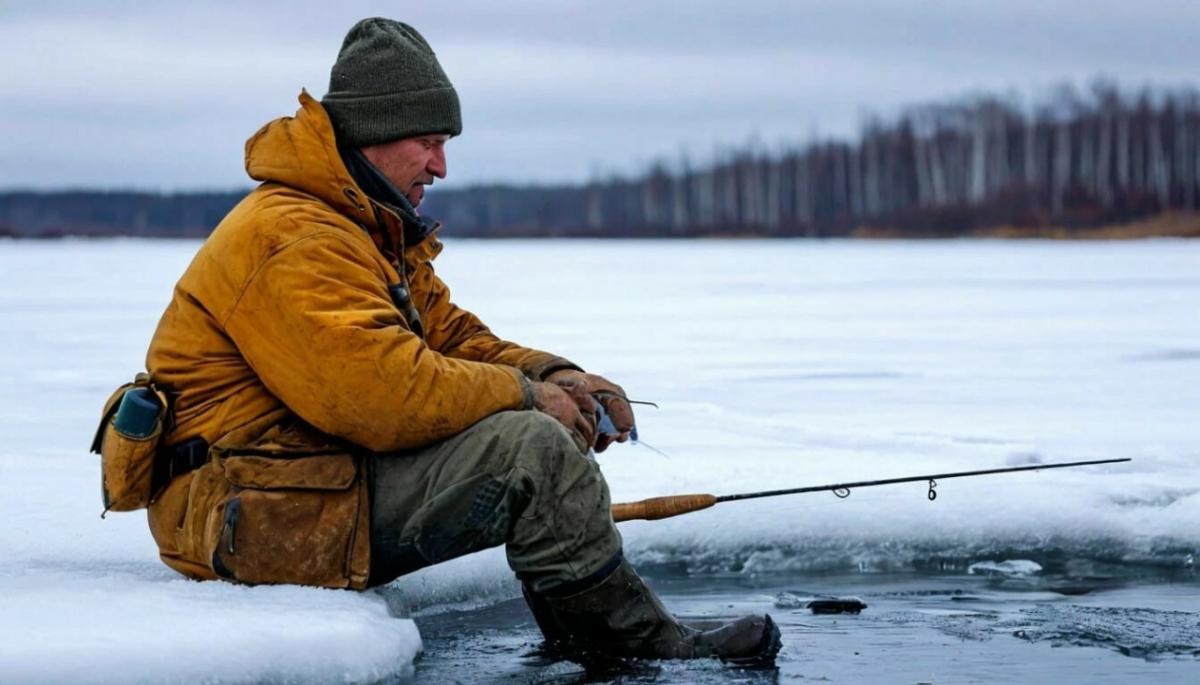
x=338 y=421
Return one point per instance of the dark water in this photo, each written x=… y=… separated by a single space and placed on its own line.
x=1109 y=628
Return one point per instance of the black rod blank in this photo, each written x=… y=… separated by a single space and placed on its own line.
x=840 y=488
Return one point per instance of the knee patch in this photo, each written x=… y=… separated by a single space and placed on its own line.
x=470 y=515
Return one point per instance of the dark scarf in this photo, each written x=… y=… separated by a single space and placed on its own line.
x=416 y=227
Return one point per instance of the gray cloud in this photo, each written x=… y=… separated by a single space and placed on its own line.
x=163 y=94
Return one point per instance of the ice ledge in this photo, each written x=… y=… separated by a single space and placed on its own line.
x=70 y=624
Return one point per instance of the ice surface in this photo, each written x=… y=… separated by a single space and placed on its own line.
x=775 y=364
x=86 y=600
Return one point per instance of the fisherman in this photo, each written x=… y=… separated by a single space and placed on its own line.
x=339 y=422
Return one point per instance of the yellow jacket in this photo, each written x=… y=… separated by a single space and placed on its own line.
x=282 y=333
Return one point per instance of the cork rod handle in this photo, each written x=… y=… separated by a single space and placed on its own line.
x=661 y=507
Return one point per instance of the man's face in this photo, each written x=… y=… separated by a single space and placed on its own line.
x=411 y=163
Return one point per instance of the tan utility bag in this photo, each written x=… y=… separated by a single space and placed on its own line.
x=135 y=418
x=296 y=510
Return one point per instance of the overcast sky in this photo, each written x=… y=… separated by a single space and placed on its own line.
x=162 y=95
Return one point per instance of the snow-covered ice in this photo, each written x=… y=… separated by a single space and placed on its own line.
x=775 y=364
x=1008 y=567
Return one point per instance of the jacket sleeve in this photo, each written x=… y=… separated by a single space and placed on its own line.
x=457 y=333
x=318 y=327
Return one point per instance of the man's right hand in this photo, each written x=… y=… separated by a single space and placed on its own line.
x=572 y=406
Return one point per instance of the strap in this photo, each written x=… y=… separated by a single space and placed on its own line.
x=176 y=460
x=574 y=587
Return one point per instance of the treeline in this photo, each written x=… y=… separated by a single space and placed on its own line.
x=92 y=213
x=1074 y=161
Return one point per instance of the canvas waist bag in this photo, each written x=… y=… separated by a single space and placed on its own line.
x=288 y=505
x=134 y=420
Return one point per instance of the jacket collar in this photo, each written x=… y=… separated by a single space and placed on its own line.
x=380 y=189
x=301 y=152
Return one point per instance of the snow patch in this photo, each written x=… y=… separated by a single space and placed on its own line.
x=1008 y=567
x=71 y=625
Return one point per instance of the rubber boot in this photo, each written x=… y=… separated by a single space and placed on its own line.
x=621 y=617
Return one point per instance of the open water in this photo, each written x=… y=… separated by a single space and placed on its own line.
x=1089 y=625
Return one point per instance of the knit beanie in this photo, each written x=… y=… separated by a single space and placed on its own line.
x=386 y=85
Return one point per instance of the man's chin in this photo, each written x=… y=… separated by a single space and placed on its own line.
x=415 y=196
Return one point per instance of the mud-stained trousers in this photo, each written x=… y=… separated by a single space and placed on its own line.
x=514 y=478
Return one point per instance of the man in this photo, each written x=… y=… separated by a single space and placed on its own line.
x=361 y=425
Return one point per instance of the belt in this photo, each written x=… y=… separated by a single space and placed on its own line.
x=176 y=460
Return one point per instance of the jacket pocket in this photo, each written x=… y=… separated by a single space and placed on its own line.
x=133 y=422
x=295 y=512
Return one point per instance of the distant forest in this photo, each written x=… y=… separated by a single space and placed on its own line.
x=1075 y=161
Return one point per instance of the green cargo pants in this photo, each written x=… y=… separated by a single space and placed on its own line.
x=514 y=478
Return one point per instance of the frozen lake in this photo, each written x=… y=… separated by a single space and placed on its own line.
x=775 y=364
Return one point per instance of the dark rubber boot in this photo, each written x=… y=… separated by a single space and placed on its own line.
x=621 y=617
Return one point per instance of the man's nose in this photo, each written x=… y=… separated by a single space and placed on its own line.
x=437 y=163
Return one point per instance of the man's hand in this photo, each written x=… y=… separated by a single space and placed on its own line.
x=571 y=406
x=607 y=392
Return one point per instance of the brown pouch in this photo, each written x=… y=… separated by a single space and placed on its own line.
x=133 y=422
x=296 y=511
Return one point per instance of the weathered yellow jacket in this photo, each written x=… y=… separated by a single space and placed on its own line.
x=282 y=347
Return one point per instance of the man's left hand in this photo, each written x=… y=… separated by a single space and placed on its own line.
x=611 y=395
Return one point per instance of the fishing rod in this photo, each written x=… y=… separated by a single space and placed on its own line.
x=674 y=505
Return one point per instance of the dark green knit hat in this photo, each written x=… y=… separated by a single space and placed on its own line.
x=386 y=85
